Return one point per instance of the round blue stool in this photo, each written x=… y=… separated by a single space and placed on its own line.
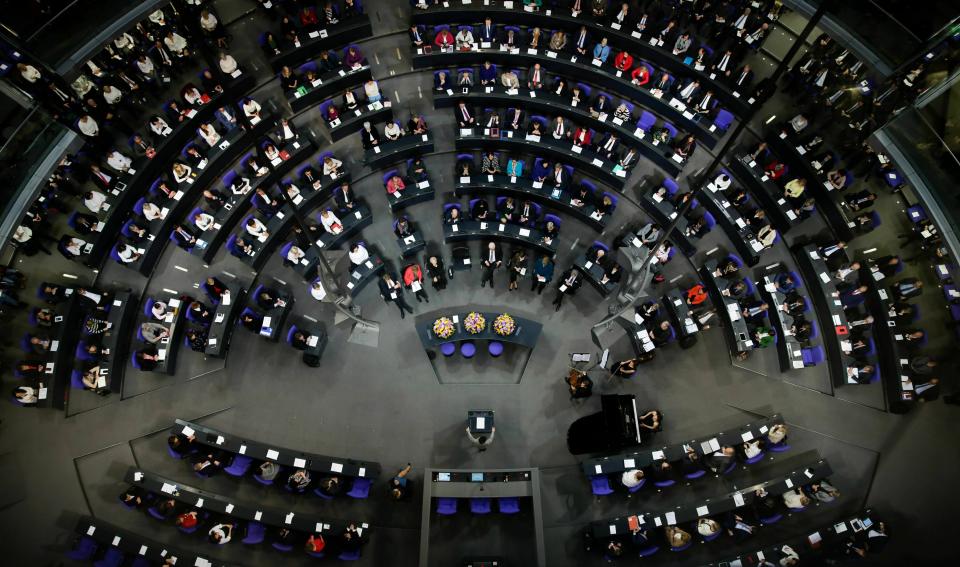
x=448 y=349
x=495 y=348
x=467 y=349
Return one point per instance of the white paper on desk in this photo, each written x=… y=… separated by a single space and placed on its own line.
x=657 y=521
x=789 y=483
x=824 y=277
x=199 y=503
x=524 y=232
x=747 y=436
x=702 y=511
x=738 y=499
x=677 y=158
x=455 y=228
x=657 y=455
x=42 y=393
x=312 y=340
x=613 y=527
x=272 y=455
x=483 y=226
x=220 y=440
x=464 y=180
x=168 y=488
x=336 y=467
x=423 y=184
x=116 y=541
x=289 y=518
x=538 y=184
x=597 y=162
x=629 y=463
x=501 y=227
x=576 y=149
x=299 y=463
x=362 y=472
x=376 y=149
x=409 y=240
x=836 y=320
x=91 y=530
x=563 y=288
x=162 y=354
x=258 y=515
x=228 y=508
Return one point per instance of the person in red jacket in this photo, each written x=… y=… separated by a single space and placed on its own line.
x=696 y=295
x=315 y=543
x=640 y=75
x=187 y=520
x=623 y=61
x=413 y=279
x=444 y=39
x=308 y=17
x=581 y=137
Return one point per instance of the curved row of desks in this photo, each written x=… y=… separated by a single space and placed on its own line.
x=736 y=331
x=238 y=206
x=705 y=445
x=326 y=86
x=218 y=159
x=345 y=32
x=392 y=152
x=136 y=545
x=788 y=347
x=322 y=464
x=206 y=500
x=713 y=506
x=130 y=188
x=583 y=159
x=546 y=101
x=353 y=223
x=637 y=45
x=514 y=234
x=767 y=193
x=280 y=223
x=526 y=188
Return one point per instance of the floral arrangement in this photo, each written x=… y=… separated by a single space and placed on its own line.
x=474 y=323
x=504 y=325
x=443 y=328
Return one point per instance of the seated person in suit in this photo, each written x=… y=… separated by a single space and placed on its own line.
x=404 y=228
x=269 y=298
x=200 y=313
x=481 y=211
x=252 y=321
x=451 y=215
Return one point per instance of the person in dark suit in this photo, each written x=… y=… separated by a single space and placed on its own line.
x=183 y=237
x=200 y=313
x=392 y=290
x=492 y=260
x=214 y=288
x=488 y=31
x=570 y=281
x=464 y=115
x=369 y=136
x=416 y=36
x=514 y=119
x=344 y=198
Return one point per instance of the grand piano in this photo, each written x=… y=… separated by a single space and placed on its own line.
x=613 y=429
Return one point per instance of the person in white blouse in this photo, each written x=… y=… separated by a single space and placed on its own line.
x=124 y=42
x=227 y=63
x=632 y=478
x=209 y=134
x=176 y=44
x=28 y=72
x=795 y=499
x=392 y=131
x=181 y=171
x=208 y=21
x=193 y=96
x=145 y=65
x=331 y=166
x=240 y=186
x=128 y=254
x=158 y=18
x=292 y=191
x=203 y=221
x=152 y=212
x=119 y=162
x=251 y=108
x=112 y=95
x=464 y=39
x=256 y=228
x=372 y=91
x=330 y=222
x=94 y=200
x=722 y=182
x=317 y=291
x=88 y=126
x=160 y=127
x=271 y=152
x=74 y=246
x=358 y=254
x=295 y=254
